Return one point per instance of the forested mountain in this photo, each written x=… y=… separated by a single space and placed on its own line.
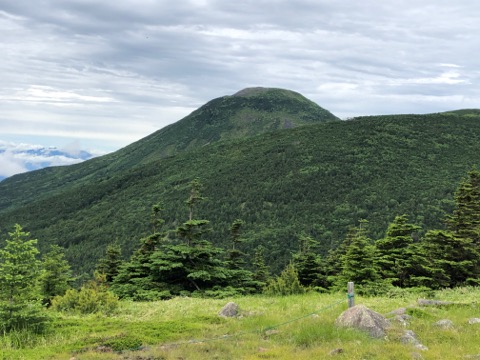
x=317 y=176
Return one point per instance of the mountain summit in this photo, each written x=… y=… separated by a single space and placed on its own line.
x=249 y=112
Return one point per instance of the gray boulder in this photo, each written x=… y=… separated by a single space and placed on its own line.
x=474 y=321
x=444 y=324
x=409 y=337
x=361 y=317
x=229 y=310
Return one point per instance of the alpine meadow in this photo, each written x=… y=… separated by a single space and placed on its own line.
x=261 y=198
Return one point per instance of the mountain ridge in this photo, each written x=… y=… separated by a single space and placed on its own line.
x=318 y=178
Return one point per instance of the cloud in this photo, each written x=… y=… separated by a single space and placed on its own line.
x=111 y=72
x=17 y=158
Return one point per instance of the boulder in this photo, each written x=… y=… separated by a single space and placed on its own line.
x=361 y=317
x=409 y=337
x=474 y=321
x=229 y=310
x=444 y=324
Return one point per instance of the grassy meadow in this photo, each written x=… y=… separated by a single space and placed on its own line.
x=292 y=327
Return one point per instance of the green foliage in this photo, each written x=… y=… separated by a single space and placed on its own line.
x=319 y=178
x=359 y=264
x=109 y=265
x=286 y=283
x=92 y=298
x=56 y=277
x=20 y=298
x=393 y=255
x=308 y=263
x=450 y=260
x=123 y=342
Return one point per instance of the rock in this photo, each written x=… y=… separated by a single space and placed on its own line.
x=425 y=302
x=409 y=337
x=474 y=321
x=361 y=317
x=444 y=324
x=399 y=311
x=399 y=319
x=229 y=310
x=336 y=351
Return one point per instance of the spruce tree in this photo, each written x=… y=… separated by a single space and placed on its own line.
x=308 y=263
x=393 y=257
x=57 y=276
x=20 y=272
x=450 y=260
x=109 y=265
x=465 y=220
x=358 y=263
x=261 y=273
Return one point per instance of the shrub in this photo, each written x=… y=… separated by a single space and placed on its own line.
x=91 y=298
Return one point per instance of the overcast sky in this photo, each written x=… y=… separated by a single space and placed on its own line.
x=103 y=74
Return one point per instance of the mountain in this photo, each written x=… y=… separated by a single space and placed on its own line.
x=319 y=177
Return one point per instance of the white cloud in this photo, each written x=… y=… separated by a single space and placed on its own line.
x=108 y=73
x=17 y=158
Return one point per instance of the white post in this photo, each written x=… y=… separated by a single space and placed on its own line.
x=350 y=294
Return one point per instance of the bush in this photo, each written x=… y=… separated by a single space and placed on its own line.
x=91 y=298
x=285 y=284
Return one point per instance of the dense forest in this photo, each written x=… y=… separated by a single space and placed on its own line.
x=286 y=179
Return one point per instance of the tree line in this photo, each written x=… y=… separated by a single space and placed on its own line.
x=183 y=262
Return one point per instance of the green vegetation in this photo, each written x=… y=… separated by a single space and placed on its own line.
x=317 y=179
x=190 y=328
x=20 y=297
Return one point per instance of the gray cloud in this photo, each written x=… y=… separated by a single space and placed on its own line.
x=108 y=73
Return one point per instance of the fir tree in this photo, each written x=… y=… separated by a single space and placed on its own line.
x=393 y=255
x=57 y=276
x=358 y=263
x=110 y=263
x=261 y=272
x=450 y=260
x=465 y=220
x=308 y=263
x=20 y=296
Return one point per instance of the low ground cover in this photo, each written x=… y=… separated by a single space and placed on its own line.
x=290 y=327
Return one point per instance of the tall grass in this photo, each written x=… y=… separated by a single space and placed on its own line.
x=291 y=327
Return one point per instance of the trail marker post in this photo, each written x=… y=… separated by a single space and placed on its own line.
x=350 y=294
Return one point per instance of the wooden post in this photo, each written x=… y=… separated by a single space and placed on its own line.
x=351 y=294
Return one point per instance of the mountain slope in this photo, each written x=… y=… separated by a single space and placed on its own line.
x=249 y=112
x=318 y=179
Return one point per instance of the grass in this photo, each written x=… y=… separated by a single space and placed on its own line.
x=292 y=327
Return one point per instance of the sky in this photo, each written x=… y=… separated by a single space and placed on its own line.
x=99 y=75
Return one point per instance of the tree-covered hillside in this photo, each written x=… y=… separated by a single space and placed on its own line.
x=316 y=179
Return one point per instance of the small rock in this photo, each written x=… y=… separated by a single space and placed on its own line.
x=315 y=316
x=262 y=349
x=399 y=319
x=363 y=318
x=421 y=347
x=336 y=351
x=444 y=324
x=229 y=310
x=399 y=311
x=474 y=321
x=425 y=302
x=409 y=337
